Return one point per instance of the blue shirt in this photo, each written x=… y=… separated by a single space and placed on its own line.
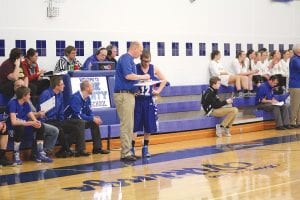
x=294 y=81
x=89 y=62
x=21 y=111
x=79 y=108
x=264 y=91
x=125 y=66
x=56 y=113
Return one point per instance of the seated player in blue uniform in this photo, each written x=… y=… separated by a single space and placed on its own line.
x=21 y=116
x=145 y=111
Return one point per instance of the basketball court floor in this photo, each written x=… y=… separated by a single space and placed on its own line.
x=258 y=165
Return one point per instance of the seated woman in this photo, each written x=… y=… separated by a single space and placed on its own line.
x=275 y=69
x=217 y=69
x=284 y=65
x=238 y=67
x=258 y=77
x=68 y=62
x=31 y=69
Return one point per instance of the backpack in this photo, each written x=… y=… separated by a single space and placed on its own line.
x=206 y=105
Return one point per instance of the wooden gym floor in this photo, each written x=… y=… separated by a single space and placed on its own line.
x=254 y=165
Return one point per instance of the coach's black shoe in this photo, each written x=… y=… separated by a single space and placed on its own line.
x=295 y=126
x=280 y=128
x=288 y=127
x=61 y=154
x=82 y=154
x=128 y=159
x=100 y=151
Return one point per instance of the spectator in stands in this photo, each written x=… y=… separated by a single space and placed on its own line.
x=238 y=67
x=276 y=69
x=294 y=86
x=285 y=64
x=35 y=75
x=217 y=69
x=112 y=53
x=11 y=71
x=20 y=116
x=79 y=111
x=50 y=131
x=213 y=106
x=145 y=112
x=99 y=56
x=68 y=132
x=3 y=145
x=124 y=97
x=68 y=62
x=266 y=101
x=263 y=63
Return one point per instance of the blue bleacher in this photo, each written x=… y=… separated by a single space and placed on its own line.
x=111 y=122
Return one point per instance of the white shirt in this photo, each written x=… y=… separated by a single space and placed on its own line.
x=237 y=68
x=215 y=68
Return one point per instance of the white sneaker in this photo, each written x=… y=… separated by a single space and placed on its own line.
x=227 y=132
x=218 y=130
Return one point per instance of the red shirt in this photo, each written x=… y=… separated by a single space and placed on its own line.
x=30 y=71
x=6 y=68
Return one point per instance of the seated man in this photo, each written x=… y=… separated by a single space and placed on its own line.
x=20 y=116
x=265 y=101
x=3 y=145
x=68 y=62
x=80 y=111
x=35 y=75
x=213 y=106
x=11 y=71
x=98 y=57
x=50 y=131
x=68 y=132
x=112 y=53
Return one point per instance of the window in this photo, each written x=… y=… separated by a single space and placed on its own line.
x=2 y=48
x=271 y=47
x=291 y=46
x=281 y=48
x=60 y=47
x=128 y=44
x=161 y=49
x=79 y=45
x=238 y=48
x=202 y=49
x=146 y=45
x=96 y=46
x=189 y=49
x=260 y=46
x=249 y=47
x=226 y=49
x=116 y=44
x=21 y=44
x=214 y=46
x=175 y=49
x=41 y=47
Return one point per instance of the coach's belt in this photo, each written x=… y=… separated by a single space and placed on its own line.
x=123 y=91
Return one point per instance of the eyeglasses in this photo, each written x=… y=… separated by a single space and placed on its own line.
x=146 y=61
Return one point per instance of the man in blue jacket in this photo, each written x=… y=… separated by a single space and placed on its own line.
x=68 y=132
x=80 y=111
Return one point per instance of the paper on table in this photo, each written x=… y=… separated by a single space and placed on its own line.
x=48 y=105
x=147 y=83
x=280 y=103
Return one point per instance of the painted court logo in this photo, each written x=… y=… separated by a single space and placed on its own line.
x=208 y=170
